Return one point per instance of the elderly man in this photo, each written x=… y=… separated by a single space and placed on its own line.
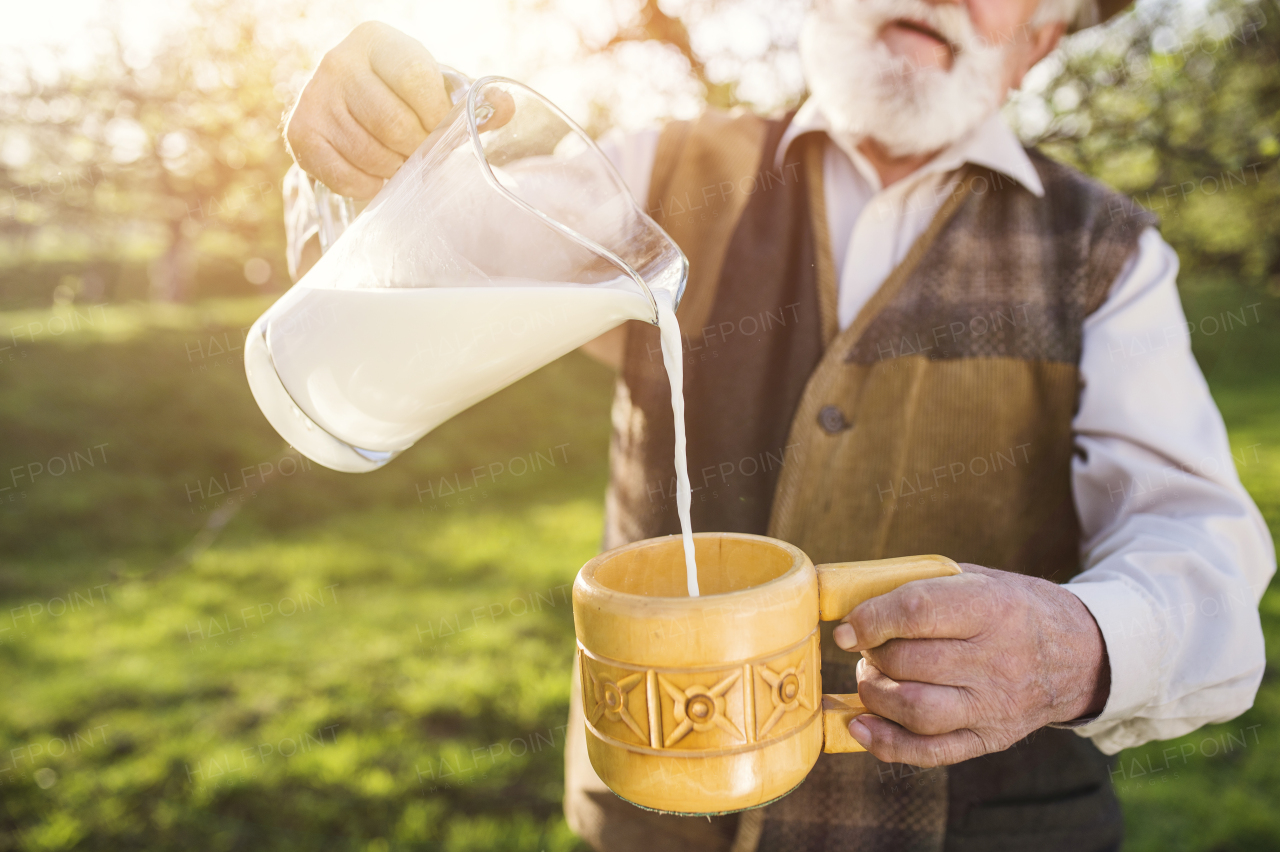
x=922 y=337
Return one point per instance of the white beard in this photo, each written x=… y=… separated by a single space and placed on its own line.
x=865 y=90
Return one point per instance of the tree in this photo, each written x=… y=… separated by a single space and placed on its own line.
x=178 y=148
x=1177 y=106
x=1182 y=111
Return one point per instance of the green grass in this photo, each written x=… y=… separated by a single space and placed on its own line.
x=410 y=653
x=356 y=664
x=1216 y=788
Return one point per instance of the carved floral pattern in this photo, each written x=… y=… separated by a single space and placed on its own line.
x=611 y=700
x=736 y=706
x=700 y=708
x=788 y=690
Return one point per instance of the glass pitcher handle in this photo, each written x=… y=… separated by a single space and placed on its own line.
x=334 y=213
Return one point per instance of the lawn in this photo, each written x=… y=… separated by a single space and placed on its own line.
x=380 y=661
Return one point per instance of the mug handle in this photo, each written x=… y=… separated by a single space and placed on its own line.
x=841 y=587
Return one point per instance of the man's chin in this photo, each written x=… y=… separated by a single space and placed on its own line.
x=912 y=112
x=865 y=90
x=902 y=127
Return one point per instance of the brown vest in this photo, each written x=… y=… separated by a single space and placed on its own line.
x=939 y=421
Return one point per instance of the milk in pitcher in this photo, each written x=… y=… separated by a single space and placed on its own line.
x=377 y=368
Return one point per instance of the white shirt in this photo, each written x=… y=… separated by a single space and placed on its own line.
x=1176 y=555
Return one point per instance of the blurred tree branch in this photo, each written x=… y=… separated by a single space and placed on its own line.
x=653 y=24
x=719 y=67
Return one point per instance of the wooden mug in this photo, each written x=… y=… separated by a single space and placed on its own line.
x=714 y=704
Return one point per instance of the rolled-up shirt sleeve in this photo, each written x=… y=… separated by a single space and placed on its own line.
x=1176 y=554
x=301 y=217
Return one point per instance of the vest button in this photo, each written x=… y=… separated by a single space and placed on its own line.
x=831 y=419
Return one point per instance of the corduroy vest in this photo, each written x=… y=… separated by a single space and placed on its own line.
x=939 y=421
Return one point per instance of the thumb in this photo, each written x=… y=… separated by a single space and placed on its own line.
x=411 y=72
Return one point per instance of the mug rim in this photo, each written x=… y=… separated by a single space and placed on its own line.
x=586 y=576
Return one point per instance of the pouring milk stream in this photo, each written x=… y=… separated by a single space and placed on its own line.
x=491 y=253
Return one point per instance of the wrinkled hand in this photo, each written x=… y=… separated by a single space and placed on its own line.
x=961 y=666
x=369 y=105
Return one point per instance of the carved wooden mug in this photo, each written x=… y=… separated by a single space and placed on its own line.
x=714 y=704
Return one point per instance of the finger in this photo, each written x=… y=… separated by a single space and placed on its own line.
x=324 y=163
x=891 y=743
x=503 y=108
x=950 y=662
x=922 y=708
x=412 y=74
x=380 y=112
x=942 y=608
x=359 y=147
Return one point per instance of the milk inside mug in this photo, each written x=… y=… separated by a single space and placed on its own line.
x=507 y=240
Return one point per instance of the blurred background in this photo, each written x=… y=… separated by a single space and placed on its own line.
x=207 y=642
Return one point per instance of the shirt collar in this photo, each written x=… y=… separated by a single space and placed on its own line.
x=991 y=144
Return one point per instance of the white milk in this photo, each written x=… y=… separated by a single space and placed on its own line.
x=378 y=368
x=673 y=358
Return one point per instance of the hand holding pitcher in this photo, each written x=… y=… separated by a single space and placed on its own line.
x=370 y=104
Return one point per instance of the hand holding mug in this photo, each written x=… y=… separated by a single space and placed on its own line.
x=957 y=667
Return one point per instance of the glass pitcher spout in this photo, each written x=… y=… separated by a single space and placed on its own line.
x=630 y=239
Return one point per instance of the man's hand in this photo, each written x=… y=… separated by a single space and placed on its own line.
x=961 y=666
x=368 y=106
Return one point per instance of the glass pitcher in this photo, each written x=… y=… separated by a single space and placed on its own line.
x=505 y=241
